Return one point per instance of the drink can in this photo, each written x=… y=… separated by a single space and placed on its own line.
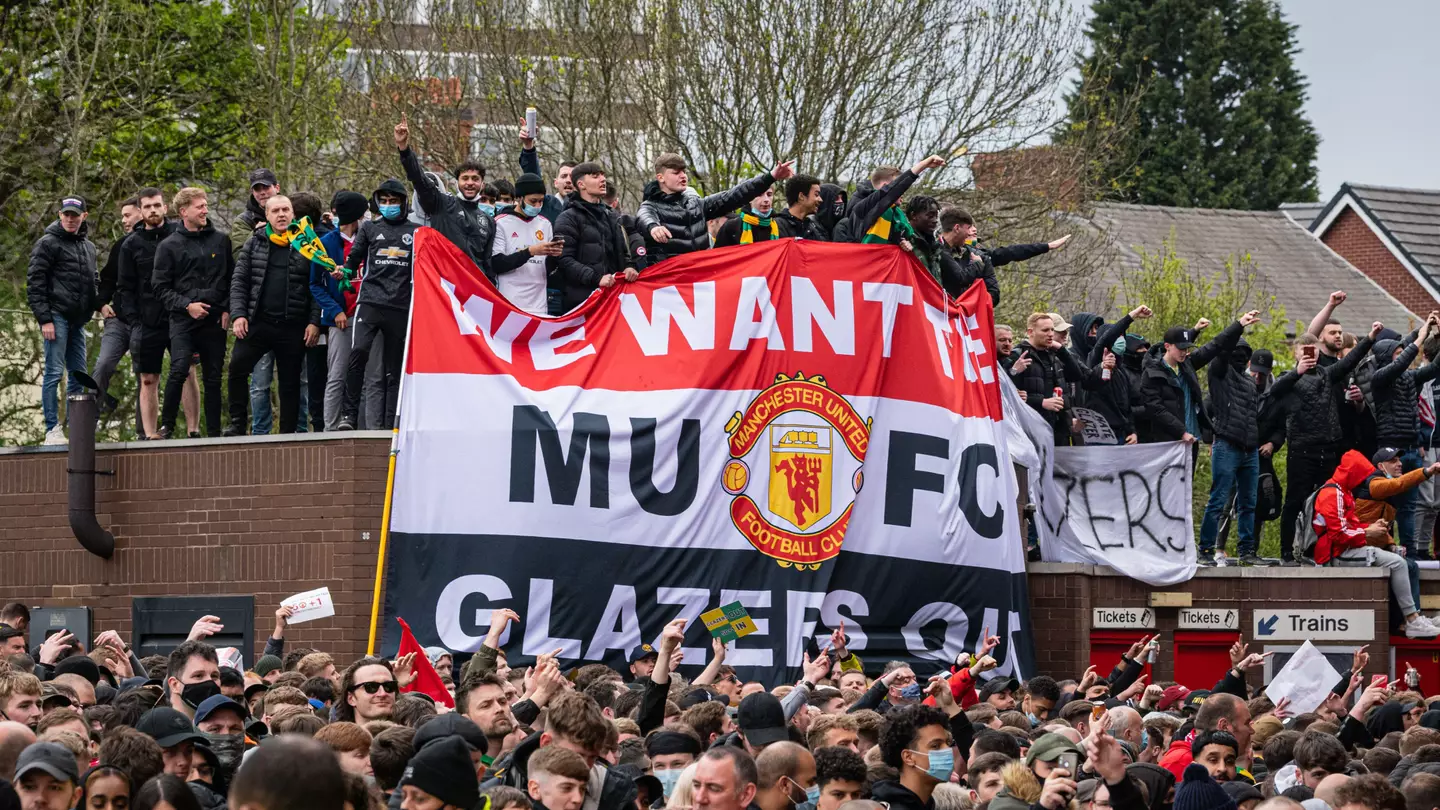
x=530 y=121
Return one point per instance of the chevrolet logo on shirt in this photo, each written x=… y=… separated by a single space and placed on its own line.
x=392 y=253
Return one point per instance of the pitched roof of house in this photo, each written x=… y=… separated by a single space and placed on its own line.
x=1290 y=262
x=1408 y=218
x=1303 y=213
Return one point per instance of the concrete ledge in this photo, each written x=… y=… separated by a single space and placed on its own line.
x=272 y=438
x=1228 y=572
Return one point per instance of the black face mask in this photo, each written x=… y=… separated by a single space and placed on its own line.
x=228 y=748
x=194 y=694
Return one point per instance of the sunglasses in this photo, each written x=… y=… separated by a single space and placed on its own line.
x=373 y=687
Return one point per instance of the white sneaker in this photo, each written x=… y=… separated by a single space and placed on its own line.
x=1421 y=627
x=55 y=435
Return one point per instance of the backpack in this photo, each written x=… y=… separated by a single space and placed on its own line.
x=1269 y=494
x=1305 y=534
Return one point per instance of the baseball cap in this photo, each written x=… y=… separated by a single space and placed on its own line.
x=698 y=695
x=50 y=697
x=1384 y=454
x=451 y=725
x=1180 y=337
x=215 y=703
x=168 y=727
x=50 y=758
x=255 y=688
x=72 y=205
x=263 y=177
x=1173 y=697
x=1262 y=360
x=1194 y=699
x=642 y=652
x=1048 y=748
x=1241 y=791
x=995 y=686
x=761 y=719
x=6 y=631
x=1058 y=321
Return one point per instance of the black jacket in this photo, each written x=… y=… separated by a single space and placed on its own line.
x=961 y=268
x=1161 y=388
x=460 y=221
x=1112 y=399
x=899 y=797
x=61 y=280
x=1049 y=369
x=386 y=249
x=1395 y=390
x=1235 y=399
x=250 y=269
x=594 y=247
x=686 y=215
x=867 y=206
x=1310 y=403
x=110 y=274
x=617 y=792
x=734 y=228
x=807 y=228
x=193 y=266
x=135 y=300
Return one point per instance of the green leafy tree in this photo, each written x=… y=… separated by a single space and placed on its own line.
x=1220 y=121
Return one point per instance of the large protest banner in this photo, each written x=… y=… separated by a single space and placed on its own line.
x=806 y=428
x=1125 y=506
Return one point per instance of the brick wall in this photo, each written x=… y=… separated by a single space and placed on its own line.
x=1349 y=236
x=250 y=517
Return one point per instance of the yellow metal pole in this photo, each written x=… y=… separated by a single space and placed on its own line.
x=384 y=541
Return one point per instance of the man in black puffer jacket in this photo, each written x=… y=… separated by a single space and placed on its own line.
x=193 y=267
x=271 y=310
x=385 y=247
x=594 y=253
x=1393 y=399
x=1308 y=396
x=873 y=216
x=60 y=286
x=461 y=220
x=674 y=222
x=1235 y=457
x=1171 y=388
x=1110 y=399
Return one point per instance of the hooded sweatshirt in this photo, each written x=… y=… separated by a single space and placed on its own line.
x=1336 y=525
x=1235 y=398
x=834 y=202
x=385 y=248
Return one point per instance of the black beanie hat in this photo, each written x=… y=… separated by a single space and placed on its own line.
x=444 y=770
x=1199 y=792
x=82 y=665
x=529 y=183
x=349 y=206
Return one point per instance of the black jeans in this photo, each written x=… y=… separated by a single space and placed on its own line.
x=316 y=365
x=287 y=341
x=1306 y=469
x=187 y=338
x=369 y=321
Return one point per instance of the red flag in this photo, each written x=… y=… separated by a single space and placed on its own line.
x=427 y=680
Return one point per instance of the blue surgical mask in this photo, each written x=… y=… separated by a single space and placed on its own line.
x=389 y=210
x=812 y=795
x=1034 y=721
x=1119 y=346
x=668 y=780
x=942 y=763
x=531 y=210
x=487 y=208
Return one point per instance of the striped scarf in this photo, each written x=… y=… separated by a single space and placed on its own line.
x=893 y=219
x=301 y=236
x=749 y=220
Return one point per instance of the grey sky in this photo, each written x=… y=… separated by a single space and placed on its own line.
x=1374 y=96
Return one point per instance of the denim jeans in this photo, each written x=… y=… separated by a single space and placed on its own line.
x=1232 y=470
x=66 y=353
x=1406 y=502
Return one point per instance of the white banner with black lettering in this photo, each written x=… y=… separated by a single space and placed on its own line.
x=1125 y=506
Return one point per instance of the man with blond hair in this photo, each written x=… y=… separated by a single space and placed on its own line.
x=20 y=697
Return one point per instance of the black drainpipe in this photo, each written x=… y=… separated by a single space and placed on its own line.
x=83 y=412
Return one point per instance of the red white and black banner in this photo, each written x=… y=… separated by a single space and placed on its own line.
x=809 y=429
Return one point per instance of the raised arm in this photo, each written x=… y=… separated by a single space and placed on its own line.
x=432 y=199
x=1223 y=342
x=1317 y=323
x=726 y=201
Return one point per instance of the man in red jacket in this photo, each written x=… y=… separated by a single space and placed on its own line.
x=1340 y=535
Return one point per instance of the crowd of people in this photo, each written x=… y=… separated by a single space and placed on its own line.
x=1358 y=415
x=317 y=297
x=108 y=730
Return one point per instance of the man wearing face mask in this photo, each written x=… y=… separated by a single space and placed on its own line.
x=222 y=721
x=175 y=735
x=916 y=742
x=385 y=247
x=1110 y=398
x=1235 y=457
x=671 y=752
x=465 y=220
x=525 y=248
x=194 y=675
x=787 y=777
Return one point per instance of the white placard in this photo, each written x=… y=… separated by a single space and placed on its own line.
x=1123 y=618
x=310 y=605
x=1125 y=506
x=1306 y=680
x=1209 y=619
x=1313 y=625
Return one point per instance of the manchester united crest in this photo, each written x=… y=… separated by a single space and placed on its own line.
x=796 y=454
